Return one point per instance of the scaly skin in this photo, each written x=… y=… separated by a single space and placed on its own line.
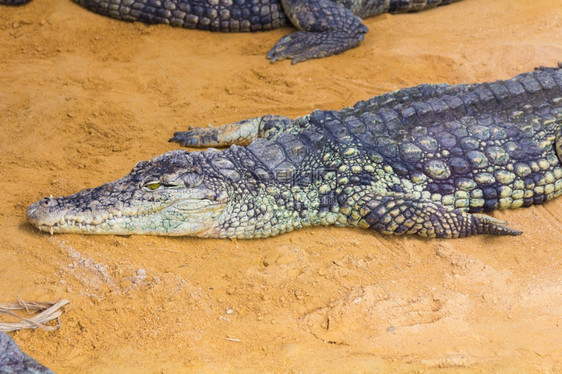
x=13 y=360
x=326 y=27
x=424 y=160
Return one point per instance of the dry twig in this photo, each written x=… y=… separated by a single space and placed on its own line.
x=47 y=312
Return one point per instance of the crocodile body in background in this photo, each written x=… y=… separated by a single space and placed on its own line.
x=326 y=27
x=13 y=360
x=423 y=160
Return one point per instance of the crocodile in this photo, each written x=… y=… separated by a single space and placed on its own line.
x=325 y=27
x=426 y=160
x=13 y=360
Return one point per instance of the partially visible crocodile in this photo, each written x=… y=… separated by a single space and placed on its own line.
x=13 y=360
x=326 y=27
x=423 y=160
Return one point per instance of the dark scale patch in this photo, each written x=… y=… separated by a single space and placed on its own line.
x=387 y=146
x=363 y=178
x=408 y=115
x=459 y=166
x=480 y=132
x=424 y=112
x=454 y=102
x=336 y=129
x=489 y=193
x=446 y=139
x=456 y=151
x=446 y=188
x=368 y=139
x=486 y=97
x=440 y=108
x=531 y=147
x=490 y=205
x=374 y=123
x=528 y=201
x=236 y=13
x=515 y=88
x=530 y=84
x=457 y=129
x=361 y=106
x=499 y=90
x=314 y=138
x=268 y=153
x=512 y=131
x=327 y=201
x=497 y=133
x=539 y=179
x=529 y=183
x=355 y=125
x=410 y=153
x=390 y=119
x=539 y=199
x=433 y=188
x=471 y=101
x=514 y=150
x=293 y=147
x=418 y=131
x=403 y=169
x=497 y=155
x=427 y=143
x=436 y=128
x=486 y=120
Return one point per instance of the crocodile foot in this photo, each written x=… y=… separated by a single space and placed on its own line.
x=302 y=45
x=326 y=28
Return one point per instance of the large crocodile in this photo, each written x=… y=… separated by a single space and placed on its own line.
x=326 y=27
x=423 y=160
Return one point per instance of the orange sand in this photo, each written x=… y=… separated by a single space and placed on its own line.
x=83 y=98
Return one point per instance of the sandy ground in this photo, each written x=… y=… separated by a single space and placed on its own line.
x=83 y=98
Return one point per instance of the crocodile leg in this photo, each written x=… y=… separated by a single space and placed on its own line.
x=239 y=133
x=393 y=213
x=327 y=29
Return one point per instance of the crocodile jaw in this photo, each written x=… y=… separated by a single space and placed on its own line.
x=186 y=217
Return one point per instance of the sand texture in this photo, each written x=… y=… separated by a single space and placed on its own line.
x=83 y=98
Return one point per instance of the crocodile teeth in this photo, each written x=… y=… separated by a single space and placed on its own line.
x=51 y=230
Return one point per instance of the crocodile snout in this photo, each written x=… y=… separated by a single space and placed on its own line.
x=40 y=212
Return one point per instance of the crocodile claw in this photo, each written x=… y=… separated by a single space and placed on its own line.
x=187 y=138
x=489 y=225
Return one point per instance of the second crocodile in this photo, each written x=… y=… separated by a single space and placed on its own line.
x=326 y=27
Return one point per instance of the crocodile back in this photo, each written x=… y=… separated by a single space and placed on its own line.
x=476 y=147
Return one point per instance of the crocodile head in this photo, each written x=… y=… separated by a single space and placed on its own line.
x=173 y=194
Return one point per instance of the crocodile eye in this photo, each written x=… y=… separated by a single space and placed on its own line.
x=153 y=186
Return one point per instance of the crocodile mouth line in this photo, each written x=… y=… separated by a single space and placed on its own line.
x=81 y=225
x=86 y=226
